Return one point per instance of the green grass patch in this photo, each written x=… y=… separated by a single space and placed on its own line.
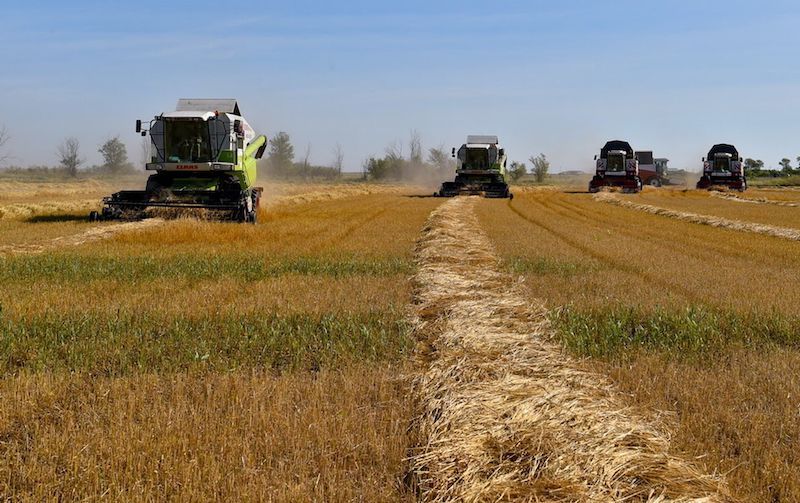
x=70 y=268
x=543 y=266
x=132 y=343
x=779 y=181
x=691 y=332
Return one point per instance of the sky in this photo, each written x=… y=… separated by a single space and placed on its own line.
x=558 y=78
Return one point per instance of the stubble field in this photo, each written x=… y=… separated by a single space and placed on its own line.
x=202 y=360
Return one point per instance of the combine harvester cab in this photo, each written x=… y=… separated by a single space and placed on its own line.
x=203 y=156
x=480 y=170
x=723 y=168
x=616 y=167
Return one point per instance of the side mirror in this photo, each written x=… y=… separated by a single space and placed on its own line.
x=502 y=152
x=139 y=126
x=703 y=159
x=595 y=157
x=454 y=152
x=260 y=151
x=237 y=127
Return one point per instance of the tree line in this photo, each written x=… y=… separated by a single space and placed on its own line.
x=755 y=168
x=281 y=161
x=68 y=155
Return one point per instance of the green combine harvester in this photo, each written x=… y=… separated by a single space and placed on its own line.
x=203 y=156
x=480 y=169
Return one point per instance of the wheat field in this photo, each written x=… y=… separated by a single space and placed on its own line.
x=194 y=360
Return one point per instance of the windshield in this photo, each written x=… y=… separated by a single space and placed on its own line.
x=477 y=158
x=722 y=163
x=661 y=167
x=187 y=141
x=616 y=162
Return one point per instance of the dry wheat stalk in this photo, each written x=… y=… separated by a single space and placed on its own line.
x=760 y=200
x=504 y=414
x=696 y=218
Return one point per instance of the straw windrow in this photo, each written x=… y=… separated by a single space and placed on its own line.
x=504 y=414
x=696 y=218
x=760 y=200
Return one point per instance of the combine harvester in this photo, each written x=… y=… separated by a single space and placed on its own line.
x=723 y=168
x=204 y=157
x=616 y=167
x=480 y=170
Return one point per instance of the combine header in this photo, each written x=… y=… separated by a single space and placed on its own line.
x=723 y=167
x=480 y=170
x=203 y=156
x=616 y=167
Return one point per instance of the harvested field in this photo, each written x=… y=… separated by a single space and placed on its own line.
x=197 y=360
x=504 y=414
x=696 y=218
x=706 y=203
x=204 y=360
x=689 y=319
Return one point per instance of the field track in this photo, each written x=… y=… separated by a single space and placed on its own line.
x=504 y=413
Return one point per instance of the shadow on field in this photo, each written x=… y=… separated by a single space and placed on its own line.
x=420 y=196
x=56 y=218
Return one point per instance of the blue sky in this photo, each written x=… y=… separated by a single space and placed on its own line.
x=554 y=77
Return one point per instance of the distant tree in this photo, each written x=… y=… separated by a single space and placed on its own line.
x=517 y=170
x=753 y=167
x=4 y=137
x=281 y=154
x=376 y=169
x=338 y=158
x=440 y=159
x=540 y=167
x=115 y=155
x=69 y=156
x=786 y=166
x=415 y=148
x=395 y=162
x=305 y=165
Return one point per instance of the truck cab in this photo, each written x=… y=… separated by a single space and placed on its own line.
x=652 y=171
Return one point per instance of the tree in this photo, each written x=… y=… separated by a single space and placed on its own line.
x=69 y=157
x=441 y=160
x=4 y=137
x=753 y=167
x=415 y=147
x=281 y=154
x=377 y=169
x=786 y=166
x=338 y=158
x=305 y=165
x=115 y=155
x=517 y=170
x=540 y=167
